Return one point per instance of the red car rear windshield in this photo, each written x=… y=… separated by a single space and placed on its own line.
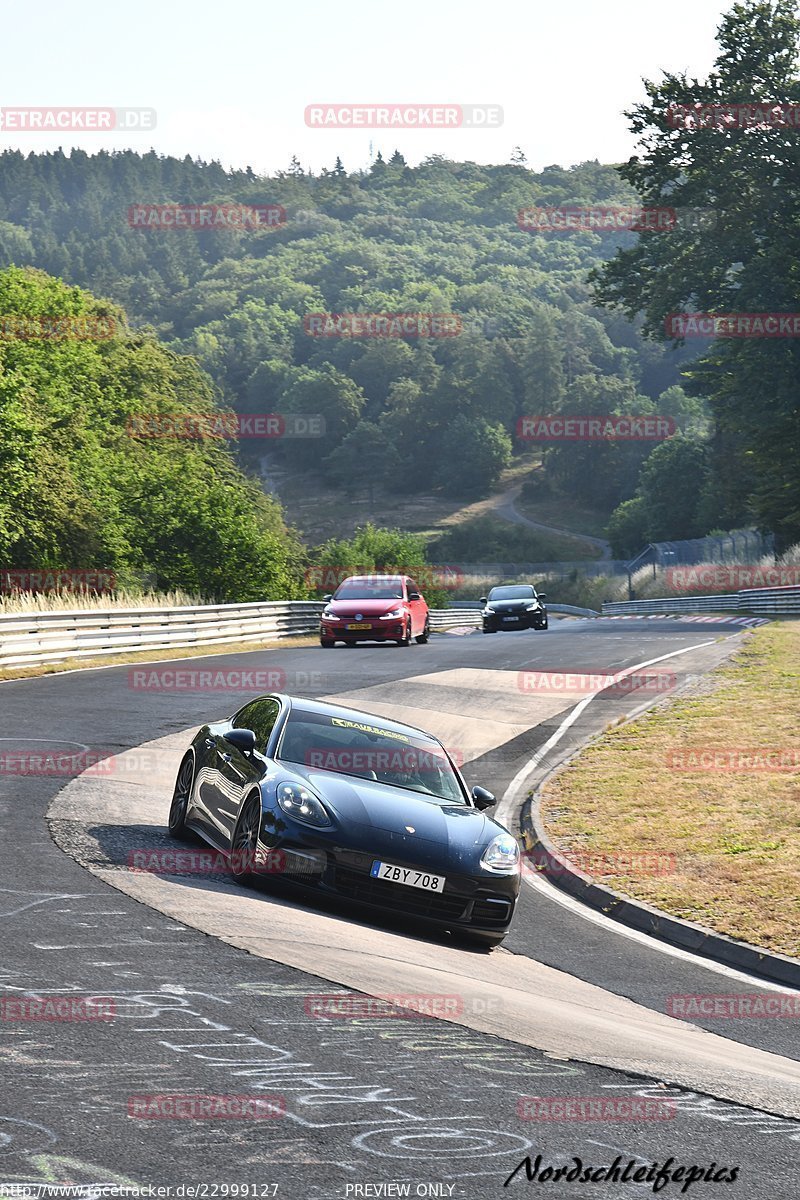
x=354 y=589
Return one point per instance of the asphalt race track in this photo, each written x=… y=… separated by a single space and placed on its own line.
x=213 y=985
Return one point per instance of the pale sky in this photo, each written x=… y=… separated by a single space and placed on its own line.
x=231 y=79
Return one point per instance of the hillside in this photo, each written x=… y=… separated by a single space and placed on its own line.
x=432 y=416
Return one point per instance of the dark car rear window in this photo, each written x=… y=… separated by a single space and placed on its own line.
x=518 y=592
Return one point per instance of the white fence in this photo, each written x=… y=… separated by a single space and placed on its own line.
x=48 y=637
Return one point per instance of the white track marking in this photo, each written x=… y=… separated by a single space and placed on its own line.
x=519 y=780
x=536 y=881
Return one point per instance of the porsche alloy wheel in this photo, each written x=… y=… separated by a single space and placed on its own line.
x=176 y=823
x=245 y=840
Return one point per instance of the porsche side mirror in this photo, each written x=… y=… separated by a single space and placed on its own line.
x=414 y=596
x=242 y=739
x=482 y=799
x=541 y=595
x=328 y=596
x=483 y=599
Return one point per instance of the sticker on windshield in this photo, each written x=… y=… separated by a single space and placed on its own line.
x=389 y=733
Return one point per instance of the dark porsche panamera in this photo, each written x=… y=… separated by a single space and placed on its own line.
x=350 y=804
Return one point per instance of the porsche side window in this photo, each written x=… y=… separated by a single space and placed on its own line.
x=260 y=716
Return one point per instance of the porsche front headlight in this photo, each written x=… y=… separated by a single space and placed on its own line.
x=303 y=805
x=501 y=856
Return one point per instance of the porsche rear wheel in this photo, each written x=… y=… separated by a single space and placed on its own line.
x=176 y=823
x=245 y=840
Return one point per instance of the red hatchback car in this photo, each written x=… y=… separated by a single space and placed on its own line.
x=375 y=608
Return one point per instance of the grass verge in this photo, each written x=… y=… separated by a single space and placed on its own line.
x=708 y=780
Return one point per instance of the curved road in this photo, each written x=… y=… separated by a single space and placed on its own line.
x=386 y=1101
x=505 y=506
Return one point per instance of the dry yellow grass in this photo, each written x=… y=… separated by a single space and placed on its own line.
x=653 y=787
x=24 y=603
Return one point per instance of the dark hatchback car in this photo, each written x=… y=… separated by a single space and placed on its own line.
x=348 y=803
x=514 y=606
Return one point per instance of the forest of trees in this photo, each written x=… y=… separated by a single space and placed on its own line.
x=78 y=490
x=423 y=413
x=552 y=323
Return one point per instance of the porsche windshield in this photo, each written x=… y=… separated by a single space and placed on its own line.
x=365 y=748
x=364 y=589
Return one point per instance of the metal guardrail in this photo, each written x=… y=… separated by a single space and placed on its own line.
x=28 y=639
x=31 y=639
x=782 y=601
x=670 y=604
x=455 y=618
x=778 y=601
